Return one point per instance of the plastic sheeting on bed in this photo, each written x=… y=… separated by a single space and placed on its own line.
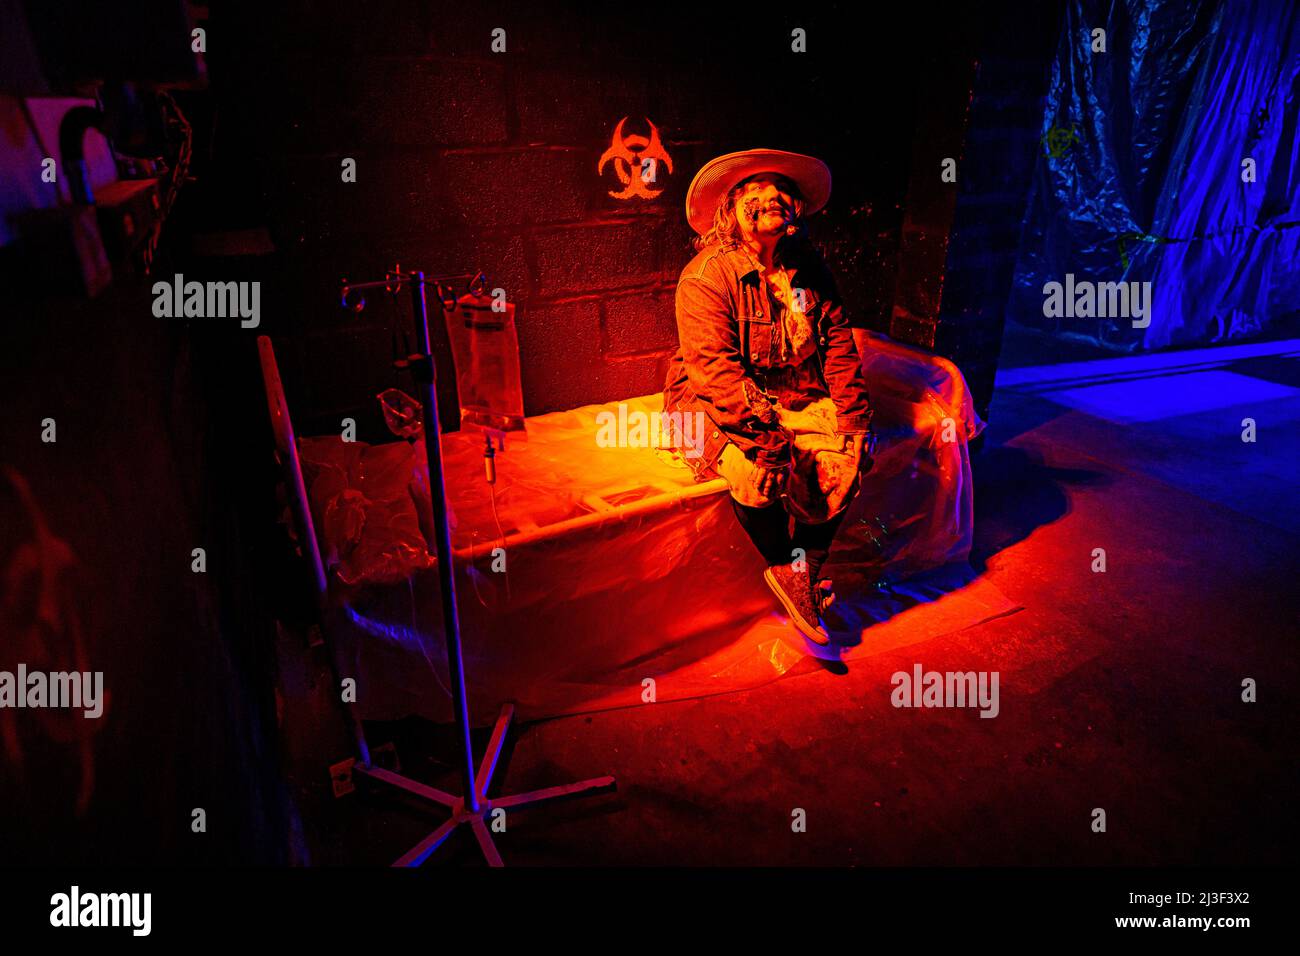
x=617 y=567
x=1142 y=174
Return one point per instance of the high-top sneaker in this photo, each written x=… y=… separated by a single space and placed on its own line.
x=796 y=593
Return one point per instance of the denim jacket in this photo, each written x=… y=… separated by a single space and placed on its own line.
x=728 y=344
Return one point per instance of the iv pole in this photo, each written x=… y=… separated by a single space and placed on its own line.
x=474 y=808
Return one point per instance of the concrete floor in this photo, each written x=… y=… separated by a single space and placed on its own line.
x=1119 y=691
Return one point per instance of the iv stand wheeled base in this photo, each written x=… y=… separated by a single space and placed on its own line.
x=480 y=817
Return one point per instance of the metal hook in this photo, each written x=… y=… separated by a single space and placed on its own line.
x=353 y=306
x=393 y=280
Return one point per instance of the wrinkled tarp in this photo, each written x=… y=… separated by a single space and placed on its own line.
x=1139 y=174
x=577 y=622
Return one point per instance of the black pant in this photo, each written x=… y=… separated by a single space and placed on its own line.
x=769 y=529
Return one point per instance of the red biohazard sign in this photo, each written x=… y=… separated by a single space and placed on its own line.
x=637 y=161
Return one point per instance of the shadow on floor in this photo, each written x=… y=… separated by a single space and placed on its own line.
x=1015 y=494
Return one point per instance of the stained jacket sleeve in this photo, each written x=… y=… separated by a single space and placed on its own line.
x=710 y=342
x=842 y=366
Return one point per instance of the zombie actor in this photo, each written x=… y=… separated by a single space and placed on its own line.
x=767 y=354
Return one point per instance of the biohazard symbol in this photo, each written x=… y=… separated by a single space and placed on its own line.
x=636 y=161
x=1058 y=141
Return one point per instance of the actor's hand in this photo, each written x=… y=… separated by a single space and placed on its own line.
x=853 y=448
x=770 y=482
x=804 y=422
x=856 y=445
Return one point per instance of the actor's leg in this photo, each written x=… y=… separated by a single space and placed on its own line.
x=766 y=521
x=818 y=482
x=768 y=528
x=839 y=485
x=763 y=518
x=815 y=540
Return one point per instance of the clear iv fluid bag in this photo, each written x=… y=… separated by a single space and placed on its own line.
x=485 y=346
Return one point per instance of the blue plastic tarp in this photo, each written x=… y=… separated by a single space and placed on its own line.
x=1173 y=157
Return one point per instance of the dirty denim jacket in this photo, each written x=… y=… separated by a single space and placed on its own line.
x=728 y=346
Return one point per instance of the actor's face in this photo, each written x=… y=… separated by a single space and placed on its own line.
x=765 y=207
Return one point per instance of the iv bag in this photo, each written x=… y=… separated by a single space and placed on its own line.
x=486 y=349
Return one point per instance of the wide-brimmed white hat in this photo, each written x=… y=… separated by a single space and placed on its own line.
x=717 y=176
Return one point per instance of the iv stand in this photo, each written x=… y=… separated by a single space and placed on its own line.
x=474 y=808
